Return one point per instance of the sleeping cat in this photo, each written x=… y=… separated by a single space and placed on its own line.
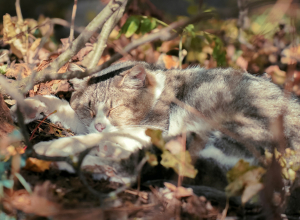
x=129 y=97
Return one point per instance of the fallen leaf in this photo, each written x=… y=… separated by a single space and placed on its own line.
x=152 y=159
x=175 y=146
x=37 y=165
x=156 y=138
x=170 y=186
x=250 y=191
x=238 y=170
x=18 y=71
x=181 y=163
x=181 y=192
x=251 y=179
x=36 y=203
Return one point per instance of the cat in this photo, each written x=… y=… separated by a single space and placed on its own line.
x=129 y=97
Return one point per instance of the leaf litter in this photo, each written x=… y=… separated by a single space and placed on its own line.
x=61 y=194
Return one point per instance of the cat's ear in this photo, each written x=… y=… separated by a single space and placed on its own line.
x=136 y=77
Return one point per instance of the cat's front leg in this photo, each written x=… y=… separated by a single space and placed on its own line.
x=37 y=107
x=68 y=145
x=47 y=104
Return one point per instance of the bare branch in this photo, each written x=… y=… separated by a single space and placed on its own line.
x=102 y=38
x=164 y=34
x=76 y=45
x=13 y=92
x=21 y=106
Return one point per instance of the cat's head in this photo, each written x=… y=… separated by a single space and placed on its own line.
x=124 y=98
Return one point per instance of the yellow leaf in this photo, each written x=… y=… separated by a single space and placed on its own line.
x=240 y=184
x=181 y=163
x=238 y=170
x=9 y=33
x=35 y=44
x=37 y=165
x=152 y=159
x=18 y=48
x=156 y=138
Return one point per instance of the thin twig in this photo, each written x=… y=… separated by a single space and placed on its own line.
x=13 y=92
x=24 y=130
x=40 y=124
x=72 y=22
x=224 y=213
x=107 y=196
x=43 y=40
x=63 y=22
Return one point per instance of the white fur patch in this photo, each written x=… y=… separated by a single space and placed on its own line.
x=160 y=84
x=47 y=104
x=184 y=121
x=221 y=158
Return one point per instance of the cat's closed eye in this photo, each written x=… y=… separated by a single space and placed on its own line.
x=111 y=110
x=91 y=111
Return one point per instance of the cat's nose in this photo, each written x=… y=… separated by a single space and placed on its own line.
x=100 y=127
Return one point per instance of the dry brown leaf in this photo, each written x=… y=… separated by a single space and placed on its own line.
x=170 y=186
x=37 y=165
x=242 y=62
x=103 y=59
x=17 y=70
x=43 y=64
x=36 y=203
x=10 y=35
x=250 y=191
x=181 y=192
x=35 y=44
x=9 y=32
x=51 y=87
x=83 y=52
x=278 y=76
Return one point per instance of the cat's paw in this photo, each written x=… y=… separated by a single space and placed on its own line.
x=111 y=150
x=37 y=108
x=61 y=147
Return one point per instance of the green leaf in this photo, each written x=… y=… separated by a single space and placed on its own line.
x=133 y=25
x=3 y=69
x=147 y=25
x=207 y=37
x=190 y=30
x=153 y=23
x=128 y=22
x=23 y=182
x=4 y=216
x=7 y=183
x=219 y=53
